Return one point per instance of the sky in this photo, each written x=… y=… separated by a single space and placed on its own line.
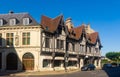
x=102 y=15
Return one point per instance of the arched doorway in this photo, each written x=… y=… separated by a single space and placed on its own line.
x=12 y=61
x=28 y=61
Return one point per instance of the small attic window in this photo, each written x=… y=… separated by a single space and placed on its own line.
x=12 y=21
x=1 y=22
x=26 y=21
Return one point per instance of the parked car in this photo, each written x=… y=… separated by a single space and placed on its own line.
x=88 y=67
x=114 y=64
x=107 y=66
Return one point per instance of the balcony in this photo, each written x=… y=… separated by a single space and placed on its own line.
x=47 y=49
x=60 y=50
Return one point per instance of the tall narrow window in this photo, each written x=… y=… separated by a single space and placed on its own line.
x=82 y=48
x=89 y=49
x=26 y=38
x=73 y=47
x=1 y=22
x=26 y=21
x=10 y=38
x=60 y=44
x=0 y=39
x=12 y=21
x=47 y=42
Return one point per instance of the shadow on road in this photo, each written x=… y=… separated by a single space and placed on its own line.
x=113 y=71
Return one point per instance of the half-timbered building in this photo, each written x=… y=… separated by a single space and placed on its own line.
x=54 y=44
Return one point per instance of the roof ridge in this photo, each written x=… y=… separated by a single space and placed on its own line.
x=57 y=17
x=15 y=13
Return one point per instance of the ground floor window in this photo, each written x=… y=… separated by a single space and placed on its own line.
x=46 y=63
x=72 y=63
x=0 y=60
x=57 y=63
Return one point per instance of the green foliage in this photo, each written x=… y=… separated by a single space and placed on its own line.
x=104 y=61
x=114 y=56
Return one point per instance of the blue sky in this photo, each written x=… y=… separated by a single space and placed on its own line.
x=103 y=15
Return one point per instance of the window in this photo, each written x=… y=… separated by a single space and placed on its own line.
x=72 y=63
x=97 y=50
x=10 y=38
x=82 y=48
x=12 y=21
x=46 y=63
x=26 y=21
x=1 y=22
x=73 y=47
x=0 y=39
x=60 y=44
x=57 y=63
x=47 y=42
x=26 y=38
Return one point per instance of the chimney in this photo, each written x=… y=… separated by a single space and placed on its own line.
x=11 y=12
x=68 y=23
x=89 y=29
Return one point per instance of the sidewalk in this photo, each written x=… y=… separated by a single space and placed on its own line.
x=39 y=73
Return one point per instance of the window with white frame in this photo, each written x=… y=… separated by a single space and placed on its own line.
x=12 y=21
x=1 y=22
x=26 y=21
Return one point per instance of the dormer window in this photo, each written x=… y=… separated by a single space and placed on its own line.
x=26 y=21
x=12 y=21
x=1 y=22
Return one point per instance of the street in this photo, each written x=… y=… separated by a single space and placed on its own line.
x=109 y=72
x=96 y=73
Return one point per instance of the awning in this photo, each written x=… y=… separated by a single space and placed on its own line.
x=59 y=58
x=48 y=57
x=73 y=59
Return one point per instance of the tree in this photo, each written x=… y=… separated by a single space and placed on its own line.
x=114 y=56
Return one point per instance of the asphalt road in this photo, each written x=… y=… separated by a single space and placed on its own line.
x=96 y=73
x=109 y=72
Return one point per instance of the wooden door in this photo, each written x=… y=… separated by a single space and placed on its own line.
x=28 y=61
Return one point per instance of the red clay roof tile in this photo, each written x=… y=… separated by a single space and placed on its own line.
x=50 y=24
x=76 y=33
x=93 y=37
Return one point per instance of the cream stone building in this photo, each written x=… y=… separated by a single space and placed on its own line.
x=54 y=44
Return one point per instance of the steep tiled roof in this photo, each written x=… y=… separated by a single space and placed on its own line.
x=18 y=16
x=93 y=37
x=50 y=24
x=76 y=32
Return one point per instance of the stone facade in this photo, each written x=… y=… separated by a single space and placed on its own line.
x=51 y=45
